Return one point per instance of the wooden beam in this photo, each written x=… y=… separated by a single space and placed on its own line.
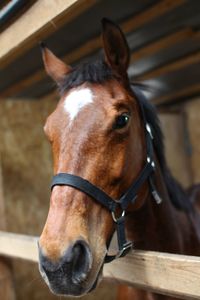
x=163 y=43
x=39 y=21
x=94 y=44
x=150 y=14
x=164 y=273
x=19 y=246
x=183 y=93
x=171 y=67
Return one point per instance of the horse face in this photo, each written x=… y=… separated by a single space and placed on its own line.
x=95 y=133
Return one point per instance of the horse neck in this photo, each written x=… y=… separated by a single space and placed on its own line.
x=158 y=227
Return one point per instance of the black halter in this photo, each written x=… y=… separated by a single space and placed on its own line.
x=128 y=197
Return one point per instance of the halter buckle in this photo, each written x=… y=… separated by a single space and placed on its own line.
x=126 y=248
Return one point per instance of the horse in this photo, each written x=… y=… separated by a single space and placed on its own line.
x=110 y=174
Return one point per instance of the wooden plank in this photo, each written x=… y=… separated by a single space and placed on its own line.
x=153 y=12
x=19 y=246
x=168 y=274
x=43 y=18
x=171 y=67
x=94 y=44
x=183 y=93
x=163 y=43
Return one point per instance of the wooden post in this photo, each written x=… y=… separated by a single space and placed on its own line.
x=7 y=291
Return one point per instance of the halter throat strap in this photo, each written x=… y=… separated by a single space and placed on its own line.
x=116 y=205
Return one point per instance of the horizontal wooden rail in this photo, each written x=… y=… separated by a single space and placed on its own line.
x=164 y=42
x=184 y=92
x=171 y=67
x=164 y=273
x=167 y=274
x=39 y=21
x=19 y=246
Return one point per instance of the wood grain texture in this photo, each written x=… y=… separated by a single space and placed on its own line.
x=165 y=273
x=168 y=274
x=43 y=18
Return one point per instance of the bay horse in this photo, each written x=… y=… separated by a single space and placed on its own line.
x=110 y=173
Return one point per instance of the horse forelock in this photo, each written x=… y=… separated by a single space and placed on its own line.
x=91 y=72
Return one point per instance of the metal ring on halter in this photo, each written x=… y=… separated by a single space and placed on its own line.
x=117 y=219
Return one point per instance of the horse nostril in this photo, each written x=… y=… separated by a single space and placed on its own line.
x=81 y=261
x=73 y=265
x=48 y=265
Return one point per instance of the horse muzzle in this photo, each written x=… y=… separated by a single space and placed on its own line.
x=69 y=274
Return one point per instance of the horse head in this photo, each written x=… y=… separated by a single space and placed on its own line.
x=97 y=134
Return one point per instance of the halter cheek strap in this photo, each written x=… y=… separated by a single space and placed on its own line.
x=127 y=198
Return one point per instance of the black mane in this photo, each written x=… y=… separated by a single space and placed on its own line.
x=99 y=72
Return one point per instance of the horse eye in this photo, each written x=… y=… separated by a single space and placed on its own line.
x=122 y=120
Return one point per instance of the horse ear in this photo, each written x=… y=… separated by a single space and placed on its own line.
x=54 y=66
x=117 y=53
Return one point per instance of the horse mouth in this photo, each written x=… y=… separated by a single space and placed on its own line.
x=61 y=285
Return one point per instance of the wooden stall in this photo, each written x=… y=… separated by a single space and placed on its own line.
x=164 y=39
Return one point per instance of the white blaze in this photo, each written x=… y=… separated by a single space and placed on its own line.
x=76 y=100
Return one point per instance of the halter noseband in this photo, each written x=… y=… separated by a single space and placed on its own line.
x=128 y=197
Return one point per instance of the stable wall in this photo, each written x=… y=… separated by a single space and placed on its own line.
x=192 y=112
x=176 y=146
